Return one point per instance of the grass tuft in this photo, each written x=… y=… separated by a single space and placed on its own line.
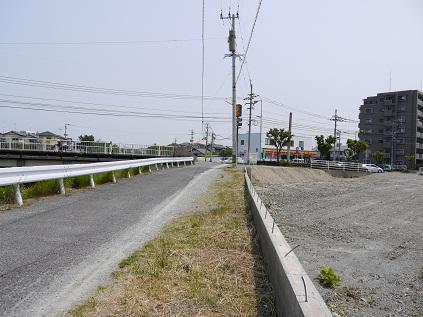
x=328 y=277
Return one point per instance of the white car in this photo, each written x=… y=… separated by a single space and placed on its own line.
x=372 y=168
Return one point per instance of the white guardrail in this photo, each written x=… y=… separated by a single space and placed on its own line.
x=85 y=147
x=335 y=165
x=20 y=175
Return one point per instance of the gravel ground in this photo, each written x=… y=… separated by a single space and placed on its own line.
x=55 y=252
x=369 y=229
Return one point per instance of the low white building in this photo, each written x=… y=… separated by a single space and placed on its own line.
x=262 y=147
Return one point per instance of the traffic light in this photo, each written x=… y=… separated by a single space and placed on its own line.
x=239 y=122
x=238 y=110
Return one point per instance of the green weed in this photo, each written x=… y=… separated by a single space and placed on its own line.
x=328 y=276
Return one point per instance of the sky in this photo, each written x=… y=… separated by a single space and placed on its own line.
x=309 y=57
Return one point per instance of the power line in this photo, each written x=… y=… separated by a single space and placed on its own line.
x=93 y=89
x=105 y=105
x=111 y=42
x=101 y=112
x=249 y=40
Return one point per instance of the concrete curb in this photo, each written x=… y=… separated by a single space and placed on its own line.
x=295 y=294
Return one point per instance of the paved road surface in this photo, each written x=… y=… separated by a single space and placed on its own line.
x=55 y=252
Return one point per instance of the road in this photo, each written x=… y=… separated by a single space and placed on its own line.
x=55 y=252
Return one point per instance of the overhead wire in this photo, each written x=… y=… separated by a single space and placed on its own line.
x=111 y=42
x=249 y=40
x=93 y=89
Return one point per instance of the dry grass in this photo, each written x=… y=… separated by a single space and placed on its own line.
x=204 y=264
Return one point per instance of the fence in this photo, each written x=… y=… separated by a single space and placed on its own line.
x=335 y=165
x=86 y=147
x=295 y=294
x=20 y=175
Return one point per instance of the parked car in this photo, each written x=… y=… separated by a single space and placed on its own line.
x=372 y=168
x=297 y=160
x=386 y=167
x=400 y=167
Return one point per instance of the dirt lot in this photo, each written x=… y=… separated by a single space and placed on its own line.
x=369 y=229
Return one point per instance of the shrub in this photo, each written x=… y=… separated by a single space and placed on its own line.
x=328 y=276
x=7 y=195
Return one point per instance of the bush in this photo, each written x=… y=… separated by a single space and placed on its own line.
x=7 y=195
x=40 y=189
x=328 y=276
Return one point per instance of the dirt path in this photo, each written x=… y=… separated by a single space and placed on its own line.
x=370 y=230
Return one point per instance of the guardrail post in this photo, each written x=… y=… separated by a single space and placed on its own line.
x=157 y=167
x=167 y=165
x=149 y=168
x=92 y=183
x=18 y=196
x=185 y=163
x=62 y=186
x=129 y=173
x=328 y=164
x=139 y=170
x=177 y=164
x=113 y=177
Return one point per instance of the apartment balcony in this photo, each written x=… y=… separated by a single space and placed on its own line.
x=419 y=135
x=419 y=146
x=419 y=156
x=419 y=124
x=420 y=113
x=388 y=113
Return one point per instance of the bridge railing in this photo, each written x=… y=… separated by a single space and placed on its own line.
x=16 y=176
x=86 y=147
x=335 y=165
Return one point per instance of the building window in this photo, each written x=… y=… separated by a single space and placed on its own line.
x=266 y=141
x=369 y=120
x=242 y=142
x=301 y=144
x=292 y=143
x=368 y=110
x=403 y=98
x=256 y=150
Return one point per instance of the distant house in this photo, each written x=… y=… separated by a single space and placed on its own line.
x=50 y=138
x=19 y=136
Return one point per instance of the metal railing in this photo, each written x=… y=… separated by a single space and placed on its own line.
x=335 y=165
x=85 y=147
x=20 y=175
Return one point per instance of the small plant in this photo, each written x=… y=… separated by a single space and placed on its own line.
x=328 y=276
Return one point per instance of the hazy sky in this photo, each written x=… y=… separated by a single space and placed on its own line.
x=313 y=56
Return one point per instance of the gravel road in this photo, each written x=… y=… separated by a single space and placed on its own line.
x=55 y=252
x=369 y=229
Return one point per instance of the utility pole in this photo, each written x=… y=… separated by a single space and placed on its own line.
x=261 y=127
x=207 y=141
x=212 y=144
x=191 y=140
x=289 y=144
x=66 y=130
x=232 y=49
x=251 y=102
x=334 y=134
x=337 y=119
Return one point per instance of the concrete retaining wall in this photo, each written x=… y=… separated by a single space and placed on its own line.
x=295 y=294
x=346 y=174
